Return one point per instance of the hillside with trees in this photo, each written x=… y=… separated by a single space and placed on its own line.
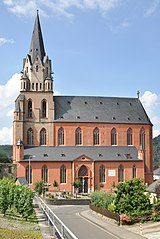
x=5 y=153
x=156 y=150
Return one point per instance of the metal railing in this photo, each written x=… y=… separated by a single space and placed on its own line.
x=59 y=228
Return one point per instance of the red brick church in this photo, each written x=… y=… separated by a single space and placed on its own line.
x=99 y=140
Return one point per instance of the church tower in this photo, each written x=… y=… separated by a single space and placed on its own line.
x=34 y=110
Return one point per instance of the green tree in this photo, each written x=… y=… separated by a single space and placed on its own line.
x=39 y=187
x=25 y=202
x=4 y=191
x=131 y=198
x=77 y=183
x=11 y=193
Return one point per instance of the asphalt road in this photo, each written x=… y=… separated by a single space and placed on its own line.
x=81 y=227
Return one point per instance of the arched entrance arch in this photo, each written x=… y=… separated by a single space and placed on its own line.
x=83 y=177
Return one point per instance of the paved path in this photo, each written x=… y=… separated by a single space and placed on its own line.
x=84 y=224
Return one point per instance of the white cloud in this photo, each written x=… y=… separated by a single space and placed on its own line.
x=60 y=7
x=4 y=41
x=6 y=135
x=150 y=102
x=150 y=11
x=8 y=94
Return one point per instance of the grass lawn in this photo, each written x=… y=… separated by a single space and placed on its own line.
x=18 y=234
x=13 y=226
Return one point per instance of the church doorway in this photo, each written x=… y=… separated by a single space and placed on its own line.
x=83 y=177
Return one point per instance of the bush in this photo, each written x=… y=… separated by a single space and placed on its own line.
x=102 y=199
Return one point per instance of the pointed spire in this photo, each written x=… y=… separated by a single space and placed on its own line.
x=37 y=45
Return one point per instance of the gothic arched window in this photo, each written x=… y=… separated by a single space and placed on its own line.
x=96 y=136
x=45 y=174
x=113 y=137
x=129 y=136
x=44 y=109
x=61 y=136
x=63 y=174
x=43 y=137
x=121 y=173
x=78 y=136
x=29 y=175
x=102 y=174
x=30 y=136
x=134 y=171
x=142 y=138
x=30 y=109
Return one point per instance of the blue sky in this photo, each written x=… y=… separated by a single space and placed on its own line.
x=97 y=47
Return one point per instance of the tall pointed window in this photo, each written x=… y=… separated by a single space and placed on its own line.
x=102 y=174
x=63 y=174
x=113 y=137
x=142 y=138
x=121 y=173
x=44 y=108
x=78 y=136
x=29 y=175
x=30 y=136
x=129 y=136
x=96 y=136
x=43 y=136
x=45 y=174
x=134 y=171
x=30 y=109
x=61 y=136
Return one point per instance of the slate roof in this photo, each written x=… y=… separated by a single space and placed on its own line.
x=99 y=109
x=21 y=180
x=70 y=153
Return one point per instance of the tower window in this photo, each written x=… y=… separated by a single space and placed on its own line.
x=142 y=138
x=36 y=86
x=40 y=86
x=44 y=108
x=36 y=68
x=30 y=109
x=32 y=86
x=30 y=137
x=43 y=137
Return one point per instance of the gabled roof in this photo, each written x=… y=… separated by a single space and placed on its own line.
x=21 y=180
x=99 y=109
x=37 y=45
x=71 y=153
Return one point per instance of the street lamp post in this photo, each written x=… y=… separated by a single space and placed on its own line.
x=29 y=169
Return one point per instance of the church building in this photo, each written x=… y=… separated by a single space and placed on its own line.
x=99 y=140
